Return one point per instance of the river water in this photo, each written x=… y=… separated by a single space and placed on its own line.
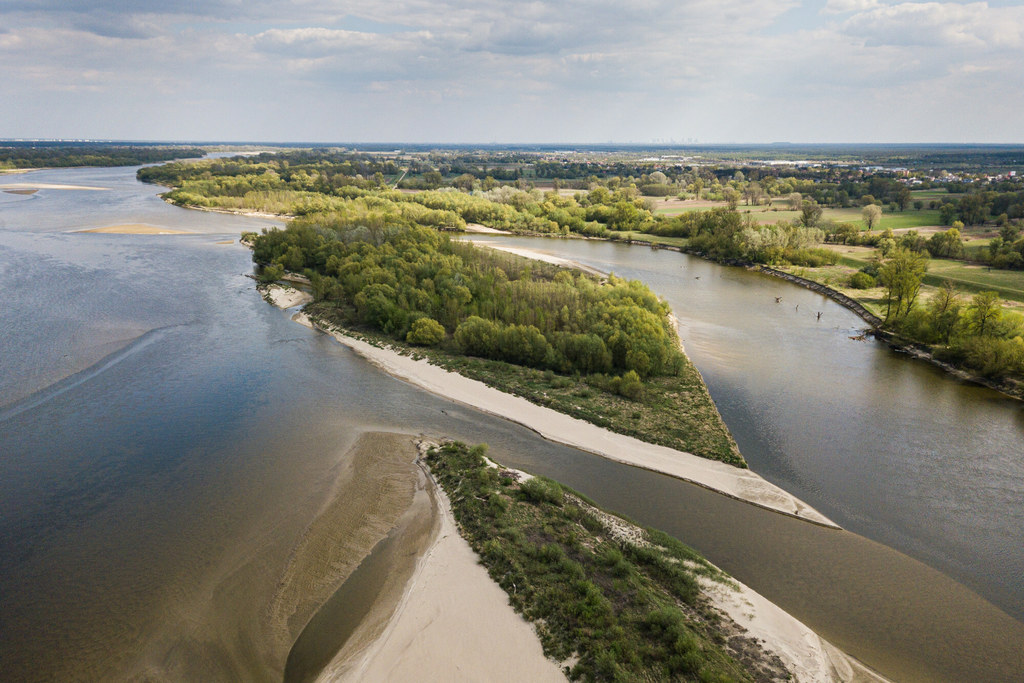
x=166 y=437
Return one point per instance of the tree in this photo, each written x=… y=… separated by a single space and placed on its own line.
x=972 y=208
x=947 y=244
x=795 y=201
x=901 y=275
x=425 y=332
x=732 y=197
x=903 y=197
x=983 y=313
x=810 y=213
x=871 y=214
x=945 y=310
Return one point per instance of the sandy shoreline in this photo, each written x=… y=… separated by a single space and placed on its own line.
x=734 y=482
x=450 y=623
x=285 y=297
x=538 y=255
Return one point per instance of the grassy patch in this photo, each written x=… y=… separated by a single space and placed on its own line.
x=617 y=607
x=976 y=278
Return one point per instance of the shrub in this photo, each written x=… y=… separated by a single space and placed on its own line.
x=861 y=280
x=425 y=332
x=629 y=385
x=542 y=490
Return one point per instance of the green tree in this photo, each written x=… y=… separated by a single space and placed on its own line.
x=871 y=214
x=945 y=310
x=901 y=275
x=425 y=332
x=983 y=313
x=903 y=197
x=947 y=244
x=810 y=213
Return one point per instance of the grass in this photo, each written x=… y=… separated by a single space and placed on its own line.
x=613 y=601
x=968 y=277
x=673 y=411
x=975 y=278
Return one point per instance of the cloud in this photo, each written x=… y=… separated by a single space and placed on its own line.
x=846 y=6
x=974 y=25
x=649 y=68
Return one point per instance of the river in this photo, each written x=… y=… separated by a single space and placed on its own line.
x=166 y=437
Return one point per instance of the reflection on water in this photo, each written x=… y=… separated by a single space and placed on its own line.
x=166 y=437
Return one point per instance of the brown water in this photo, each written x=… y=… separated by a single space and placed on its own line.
x=154 y=490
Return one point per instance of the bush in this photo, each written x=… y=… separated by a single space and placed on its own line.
x=425 y=332
x=861 y=280
x=629 y=385
x=542 y=490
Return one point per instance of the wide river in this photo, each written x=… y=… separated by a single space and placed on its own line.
x=166 y=437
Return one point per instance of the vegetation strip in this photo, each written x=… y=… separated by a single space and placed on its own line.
x=609 y=607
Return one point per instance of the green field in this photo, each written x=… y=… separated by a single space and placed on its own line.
x=765 y=215
x=971 y=278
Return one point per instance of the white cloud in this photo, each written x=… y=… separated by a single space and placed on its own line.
x=974 y=25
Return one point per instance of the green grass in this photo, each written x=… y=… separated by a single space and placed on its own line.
x=616 y=609
x=908 y=219
x=1008 y=283
x=650 y=239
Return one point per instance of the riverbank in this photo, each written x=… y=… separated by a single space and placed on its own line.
x=741 y=484
x=897 y=343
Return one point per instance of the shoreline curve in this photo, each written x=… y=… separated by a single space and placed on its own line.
x=741 y=484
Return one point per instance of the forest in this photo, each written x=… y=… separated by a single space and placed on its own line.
x=417 y=285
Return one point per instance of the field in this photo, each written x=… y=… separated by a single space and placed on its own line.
x=967 y=277
x=768 y=215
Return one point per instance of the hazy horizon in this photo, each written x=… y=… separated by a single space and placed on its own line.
x=538 y=73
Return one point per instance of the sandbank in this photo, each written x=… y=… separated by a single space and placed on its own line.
x=483 y=229
x=734 y=482
x=539 y=255
x=287 y=297
x=452 y=623
x=805 y=654
x=50 y=186
x=137 y=229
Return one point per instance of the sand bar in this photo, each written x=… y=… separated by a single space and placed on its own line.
x=539 y=255
x=50 y=186
x=287 y=297
x=734 y=482
x=452 y=623
x=483 y=229
x=137 y=229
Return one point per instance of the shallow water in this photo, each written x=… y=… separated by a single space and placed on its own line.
x=166 y=438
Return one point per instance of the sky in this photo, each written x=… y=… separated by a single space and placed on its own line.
x=508 y=71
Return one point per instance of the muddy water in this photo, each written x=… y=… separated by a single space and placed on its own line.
x=167 y=441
